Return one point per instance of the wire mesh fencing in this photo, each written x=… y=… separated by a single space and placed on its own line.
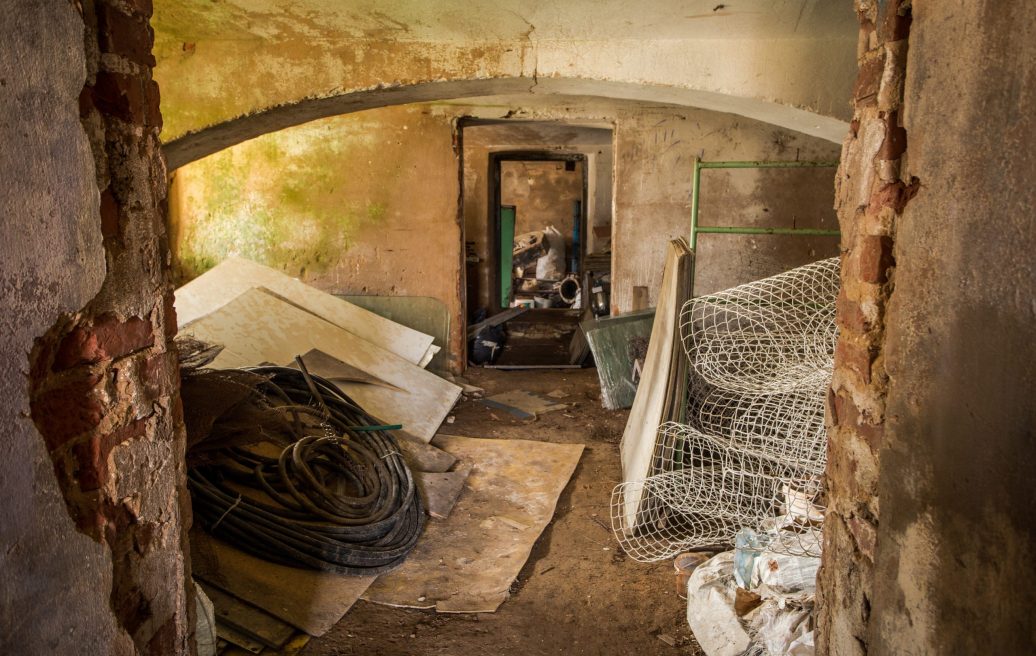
x=753 y=449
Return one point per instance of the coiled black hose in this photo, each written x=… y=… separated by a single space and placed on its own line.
x=338 y=498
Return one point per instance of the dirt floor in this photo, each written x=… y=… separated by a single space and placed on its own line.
x=577 y=594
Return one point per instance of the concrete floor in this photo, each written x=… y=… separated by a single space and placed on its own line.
x=577 y=594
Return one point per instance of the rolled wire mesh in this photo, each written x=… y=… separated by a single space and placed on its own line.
x=772 y=335
x=753 y=450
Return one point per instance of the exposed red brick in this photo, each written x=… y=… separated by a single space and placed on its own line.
x=121 y=96
x=92 y=455
x=872 y=434
x=126 y=35
x=68 y=411
x=850 y=315
x=169 y=314
x=868 y=80
x=107 y=338
x=874 y=258
x=895 y=21
x=159 y=374
x=856 y=357
x=865 y=534
x=895 y=142
x=154 y=112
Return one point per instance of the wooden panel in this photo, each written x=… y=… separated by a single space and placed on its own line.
x=662 y=385
x=258 y=327
x=466 y=563
x=309 y=600
x=230 y=278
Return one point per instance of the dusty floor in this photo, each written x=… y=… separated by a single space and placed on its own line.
x=577 y=594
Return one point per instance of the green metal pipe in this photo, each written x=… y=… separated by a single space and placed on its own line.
x=695 y=188
x=765 y=165
x=738 y=230
x=733 y=230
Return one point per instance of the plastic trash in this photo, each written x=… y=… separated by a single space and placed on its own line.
x=710 y=608
x=748 y=545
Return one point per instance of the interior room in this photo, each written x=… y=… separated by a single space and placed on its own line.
x=449 y=327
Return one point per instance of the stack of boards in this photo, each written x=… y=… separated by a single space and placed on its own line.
x=259 y=315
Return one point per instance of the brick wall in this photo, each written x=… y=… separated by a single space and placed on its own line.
x=103 y=381
x=870 y=197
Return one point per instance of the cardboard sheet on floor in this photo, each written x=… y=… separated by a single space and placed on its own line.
x=660 y=395
x=247 y=619
x=234 y=276
x=439 y=490
x=259 y=327
x=466 y=563
x=527 y=404
x=309 y=600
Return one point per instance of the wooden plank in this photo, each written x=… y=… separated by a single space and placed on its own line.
x=248 y=620
x=423 y=457
x=660 y=394
x=258 y=327
x=440 y=491
x=230 y=278
x=326 y=366
x=235 y=637
x=309 y=600
x=466 y=563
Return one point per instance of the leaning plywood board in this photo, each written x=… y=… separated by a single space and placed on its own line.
x=662 y=381
x=228 y=279
x=467 y=562
x=309 y=600
x=258 y=327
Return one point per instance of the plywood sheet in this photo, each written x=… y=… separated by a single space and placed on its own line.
x=247 y=619
x=661 y=382
x=331 y=368
x=439 y=490
x=258 y=327
x=466 y=563
x=309 y=600
x=230 y=278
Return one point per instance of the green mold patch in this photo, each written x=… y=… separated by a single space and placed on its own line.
x=296 y=200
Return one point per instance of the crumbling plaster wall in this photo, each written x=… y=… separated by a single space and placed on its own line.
x=91 y=461
x=655 y=149
x=361 y=204
x=930 y=533
x=224 y=61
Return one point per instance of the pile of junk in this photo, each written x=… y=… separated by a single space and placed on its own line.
x=543 y=277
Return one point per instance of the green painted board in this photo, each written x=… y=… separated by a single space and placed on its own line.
x=609 y=339
x=507 y=219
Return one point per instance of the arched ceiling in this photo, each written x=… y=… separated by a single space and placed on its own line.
x=232 y=69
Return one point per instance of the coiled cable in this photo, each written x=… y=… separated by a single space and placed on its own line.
x=339 y=497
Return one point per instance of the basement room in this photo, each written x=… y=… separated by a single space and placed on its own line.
x=441 y=327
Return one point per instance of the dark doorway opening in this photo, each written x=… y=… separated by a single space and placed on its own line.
x=537 y=213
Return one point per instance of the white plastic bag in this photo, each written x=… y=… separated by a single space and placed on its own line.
x=552 y=265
